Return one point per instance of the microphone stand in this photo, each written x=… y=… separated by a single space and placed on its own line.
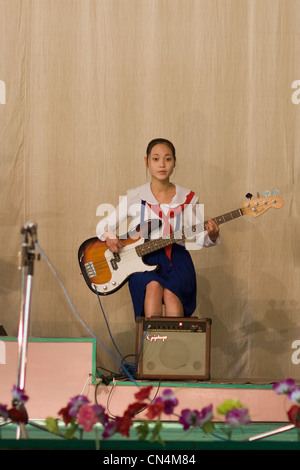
x=28 y=257
x=27 y=267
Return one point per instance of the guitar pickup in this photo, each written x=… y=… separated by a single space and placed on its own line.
x=90 y=269
x=114 y=261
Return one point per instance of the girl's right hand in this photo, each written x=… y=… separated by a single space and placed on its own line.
x=114 y=244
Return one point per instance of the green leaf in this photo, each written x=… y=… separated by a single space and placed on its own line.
x=52 y=425
x=143 y=430
x=208 y=427
x=155 y=437
x=71 y=429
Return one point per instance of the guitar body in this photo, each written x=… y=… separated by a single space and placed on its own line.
x=106 y=272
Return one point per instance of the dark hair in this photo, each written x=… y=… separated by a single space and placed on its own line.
x=161 y=141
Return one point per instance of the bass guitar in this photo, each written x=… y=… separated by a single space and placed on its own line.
x=105 y=272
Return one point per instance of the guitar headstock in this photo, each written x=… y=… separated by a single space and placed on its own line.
x=258 y=206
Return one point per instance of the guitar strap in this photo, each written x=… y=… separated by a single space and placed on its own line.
x=172 y=212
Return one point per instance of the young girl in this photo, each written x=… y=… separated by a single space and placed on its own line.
x=173 y=284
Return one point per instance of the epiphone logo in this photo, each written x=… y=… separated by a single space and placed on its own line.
x=155 y=338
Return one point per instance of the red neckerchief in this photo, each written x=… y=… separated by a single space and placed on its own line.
x=170 y=215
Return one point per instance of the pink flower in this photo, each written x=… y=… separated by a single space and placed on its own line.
x=190 y=418
x=195 y=418
x=294 y=395
x=206 y=414
x=169 y=400
x=87 y=417
x=237 y=417
x=285 y=386
x=288 y=387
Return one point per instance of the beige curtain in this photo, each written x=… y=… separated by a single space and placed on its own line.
x=88 y=83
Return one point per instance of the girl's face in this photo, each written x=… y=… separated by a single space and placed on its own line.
x=160 y=162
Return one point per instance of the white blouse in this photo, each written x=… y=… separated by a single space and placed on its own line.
x=130 y=207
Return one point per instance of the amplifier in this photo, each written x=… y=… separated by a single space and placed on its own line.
x=173 y=348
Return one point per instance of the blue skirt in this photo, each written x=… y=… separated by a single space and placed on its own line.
x=178 y=276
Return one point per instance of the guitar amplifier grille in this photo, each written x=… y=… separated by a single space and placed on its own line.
x=173 y=348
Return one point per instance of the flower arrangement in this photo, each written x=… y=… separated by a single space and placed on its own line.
x=80 y=415
x=79 y=412
x=15 y=413
x=289 y=388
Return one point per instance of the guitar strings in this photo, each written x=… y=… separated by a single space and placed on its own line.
x=143 y=249
x=182 y=235
x=130 y=252
x=219 y=220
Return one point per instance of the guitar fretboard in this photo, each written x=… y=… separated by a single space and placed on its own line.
x=183 y=234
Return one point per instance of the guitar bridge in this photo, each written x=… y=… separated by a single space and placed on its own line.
x=90 y=269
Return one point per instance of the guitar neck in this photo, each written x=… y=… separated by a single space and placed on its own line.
x=183 y=234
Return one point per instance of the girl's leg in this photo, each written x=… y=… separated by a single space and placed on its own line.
x=153 y=299
x=173 y=306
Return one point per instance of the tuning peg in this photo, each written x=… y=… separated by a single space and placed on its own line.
x=257 y=195
x=275 y=192
x=249 y=196
x=267 y=193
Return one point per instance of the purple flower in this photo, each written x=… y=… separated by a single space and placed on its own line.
x=285 y=386
x=110 y=429
x=169 y=400
x=4 y=412
x=76 y=403
x=294 y=395
x=101 y=415
x=190 y=418
x=195 y=418
x=206 y=414
x=237 y=417
x=19 y=395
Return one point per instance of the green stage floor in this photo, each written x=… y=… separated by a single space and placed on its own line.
x=175 y=439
